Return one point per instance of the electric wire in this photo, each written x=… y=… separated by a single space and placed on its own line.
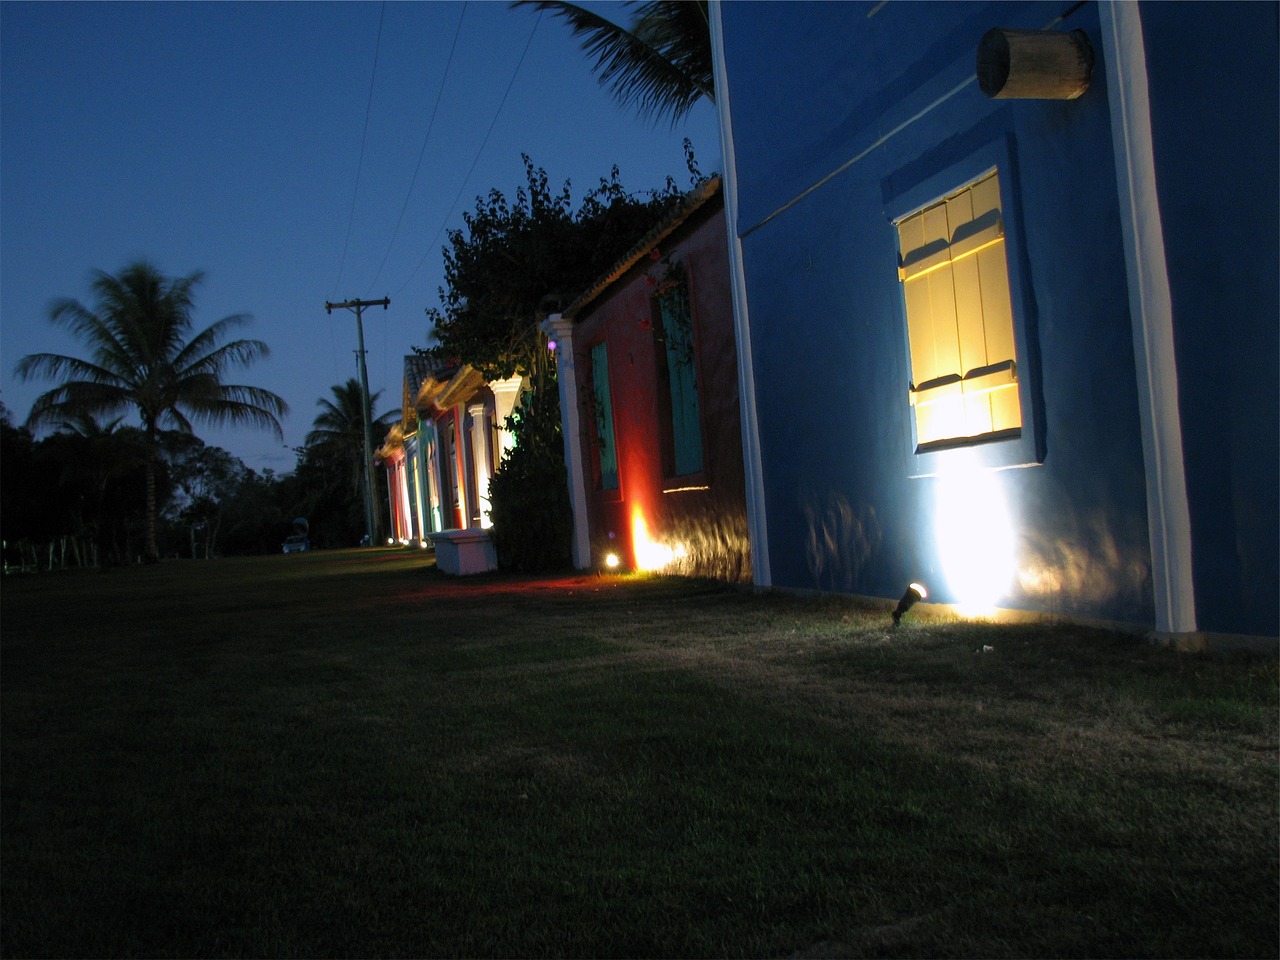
x=421 y=153
x=364 y=136
x=485 y=142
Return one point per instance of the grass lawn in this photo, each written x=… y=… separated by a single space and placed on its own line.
x=349 y=754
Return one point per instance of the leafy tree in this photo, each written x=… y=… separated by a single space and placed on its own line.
x=659 y=66
x=19 y=514
x=97 y=475
x=144 y=358
x=253 y=518
x=207 y=476
x=500 y=269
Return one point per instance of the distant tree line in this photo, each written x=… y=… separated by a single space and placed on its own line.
x=76 y=498
x=97 y=492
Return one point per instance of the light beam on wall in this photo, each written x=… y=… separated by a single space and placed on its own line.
x=975 y=536
x=650 y=554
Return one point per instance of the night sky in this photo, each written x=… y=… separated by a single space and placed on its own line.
x=232 y=138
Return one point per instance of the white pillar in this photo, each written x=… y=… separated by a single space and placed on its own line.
x=431 y=455
x=480 y=453
x=757 y=522
x=458 y=465
x=405 y=493
x=1151 y=312
x=505 y=395
x=393 y=497
x=560 y=330
x=416 y=464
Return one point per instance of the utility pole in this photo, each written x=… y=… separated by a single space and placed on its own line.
x=357 y=306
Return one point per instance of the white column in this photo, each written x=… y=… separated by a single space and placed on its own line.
x=458 y=465
x=505 y=395
x=416 y=464
x=757 y=522
x=394 y=482
x=431 y=456
x=480 y=459
x=405 y=493
x=560 y=330
x=1151 y=312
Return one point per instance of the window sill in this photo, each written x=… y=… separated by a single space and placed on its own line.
x=1008 y=450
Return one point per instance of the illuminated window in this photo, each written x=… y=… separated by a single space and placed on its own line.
x=606 y=454
x=955 y=278
x=680 y=412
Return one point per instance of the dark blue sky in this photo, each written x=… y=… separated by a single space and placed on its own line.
x=226 y=137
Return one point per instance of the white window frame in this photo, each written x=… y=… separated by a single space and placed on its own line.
x=1018 y=448
x=959 y=319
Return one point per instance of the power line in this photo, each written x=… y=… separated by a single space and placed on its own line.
x=363 y=137
x=421 y=153
x=479 y=152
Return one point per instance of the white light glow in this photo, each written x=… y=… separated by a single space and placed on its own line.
x=975 y=535
x=611 y=561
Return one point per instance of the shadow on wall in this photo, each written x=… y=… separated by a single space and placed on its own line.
x=1087 y=574
x=840 y=540
x=701 y=541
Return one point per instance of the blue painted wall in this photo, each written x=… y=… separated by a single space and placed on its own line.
x=847 y=115
x=1212 y=69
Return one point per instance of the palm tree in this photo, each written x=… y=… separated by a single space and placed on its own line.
x=660 y=65
x=143 y=360
x=339 y=431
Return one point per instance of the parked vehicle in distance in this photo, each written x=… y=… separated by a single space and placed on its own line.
x=298 y=543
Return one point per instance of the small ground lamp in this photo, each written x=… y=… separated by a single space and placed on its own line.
x=915 y=593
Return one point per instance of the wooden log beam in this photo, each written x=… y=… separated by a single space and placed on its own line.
x=1034 y=64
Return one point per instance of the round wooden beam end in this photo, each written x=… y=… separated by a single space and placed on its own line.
x=1034 y=64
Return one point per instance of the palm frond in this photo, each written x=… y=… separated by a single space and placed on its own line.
x=660 y=66
x=52 y=365
x=207 y=341
x=76 y=399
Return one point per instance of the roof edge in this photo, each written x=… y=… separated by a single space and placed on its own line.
x=693 y=201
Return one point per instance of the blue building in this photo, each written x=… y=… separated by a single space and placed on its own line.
x=1005 y=283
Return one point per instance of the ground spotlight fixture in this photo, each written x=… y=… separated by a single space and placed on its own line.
x=611 y=561
x=915 y=592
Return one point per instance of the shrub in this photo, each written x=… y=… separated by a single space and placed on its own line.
x=532 y=520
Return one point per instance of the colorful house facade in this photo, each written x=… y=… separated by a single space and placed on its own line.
x=647 y=372
x=1005 y=292
x=440 y=458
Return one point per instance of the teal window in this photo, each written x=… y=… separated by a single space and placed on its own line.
x=685 y=447
x=606 y=451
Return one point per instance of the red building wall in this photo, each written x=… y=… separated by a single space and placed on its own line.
x=697 y=524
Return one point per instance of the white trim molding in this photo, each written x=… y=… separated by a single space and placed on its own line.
x=1151 y=310
x=757 y=522
x=560 y=330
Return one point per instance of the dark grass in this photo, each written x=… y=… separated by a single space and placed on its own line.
x=351 y=755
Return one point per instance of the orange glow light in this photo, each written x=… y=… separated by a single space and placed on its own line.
x=650 y=555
